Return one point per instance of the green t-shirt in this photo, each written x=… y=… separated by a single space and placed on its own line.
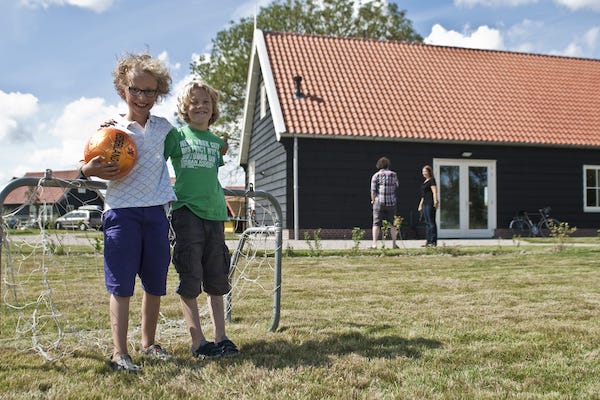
x=196 y=158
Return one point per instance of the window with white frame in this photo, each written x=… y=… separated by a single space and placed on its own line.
x=263 y=100
x=591 y=188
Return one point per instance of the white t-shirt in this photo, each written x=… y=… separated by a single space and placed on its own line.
x=148 y=182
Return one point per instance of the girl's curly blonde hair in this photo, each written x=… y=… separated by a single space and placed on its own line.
x=185 y=98
x=131 y=64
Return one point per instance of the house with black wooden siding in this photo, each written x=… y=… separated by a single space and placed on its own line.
x=503 y=131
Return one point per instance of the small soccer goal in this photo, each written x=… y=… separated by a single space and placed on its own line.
x=51 y=265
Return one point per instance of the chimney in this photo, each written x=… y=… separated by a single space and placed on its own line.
x=298 y=91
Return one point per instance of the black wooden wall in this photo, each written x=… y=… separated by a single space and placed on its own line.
x=335 y=176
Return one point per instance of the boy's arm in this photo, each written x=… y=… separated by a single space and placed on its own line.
x=225 y=147
x=169 y=144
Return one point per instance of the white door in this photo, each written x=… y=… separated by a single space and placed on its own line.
x=467 y=190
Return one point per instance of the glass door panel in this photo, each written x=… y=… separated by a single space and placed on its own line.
x=478 y=198
x=449 y=189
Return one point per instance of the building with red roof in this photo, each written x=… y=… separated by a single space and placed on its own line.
x=504 y=131
x=26 y=203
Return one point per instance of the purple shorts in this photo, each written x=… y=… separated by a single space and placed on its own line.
x=136 y=243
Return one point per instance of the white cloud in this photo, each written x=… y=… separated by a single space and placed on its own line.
x=582 y=46
x=70 y=131
x=18 y=104
x=580 y=4
x=98 y=6
x=249 y=8
x=168 y=107
x=524 y=48
x=572 y=50
x=571 y=4
x=523 y=36
x=591 y=37
x=164 y=57
x=482 y=38
x=524 y=29
x=81 y=117
x=55 y=143
x=15 y=110
x=493 y=3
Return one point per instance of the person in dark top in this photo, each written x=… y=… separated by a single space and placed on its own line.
x=429 y=204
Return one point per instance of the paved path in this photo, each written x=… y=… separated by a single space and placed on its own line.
x=81 y=238
x=77 y=237
x=410 y=244
x=407 y=244
x=413 y=244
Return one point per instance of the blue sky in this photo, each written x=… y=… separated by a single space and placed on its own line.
x=57 y=56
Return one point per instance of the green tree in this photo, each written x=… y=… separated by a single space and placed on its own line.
x=226 y=68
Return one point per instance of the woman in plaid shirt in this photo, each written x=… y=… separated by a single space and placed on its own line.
x=384 y=184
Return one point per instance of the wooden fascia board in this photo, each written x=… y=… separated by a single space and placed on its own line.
x=259 y=61
x=437 y=141
x=249 y=104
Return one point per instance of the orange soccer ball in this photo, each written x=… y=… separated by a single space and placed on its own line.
x=114 y=145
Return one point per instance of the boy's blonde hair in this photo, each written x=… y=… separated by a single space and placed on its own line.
x=131 y=63
x=185 y=97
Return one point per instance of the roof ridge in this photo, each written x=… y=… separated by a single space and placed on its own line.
x=414 y=43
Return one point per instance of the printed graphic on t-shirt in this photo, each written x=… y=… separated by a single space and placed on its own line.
x=198 y=153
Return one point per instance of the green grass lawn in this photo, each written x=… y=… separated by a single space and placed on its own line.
x=471 y=323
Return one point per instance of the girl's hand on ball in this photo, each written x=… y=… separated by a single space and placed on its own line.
x=98 y=167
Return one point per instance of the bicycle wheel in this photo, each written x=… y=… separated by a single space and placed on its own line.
x=545 y=226
x=520 y=227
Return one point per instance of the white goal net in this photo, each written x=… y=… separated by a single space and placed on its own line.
x=52 y=291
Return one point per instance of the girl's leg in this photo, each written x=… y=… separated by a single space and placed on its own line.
x=119 y=320
x=150 y=309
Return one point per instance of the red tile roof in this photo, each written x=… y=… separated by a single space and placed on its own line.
x=365 y=88
x=21 y=194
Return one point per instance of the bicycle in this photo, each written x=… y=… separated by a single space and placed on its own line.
x=522 y=225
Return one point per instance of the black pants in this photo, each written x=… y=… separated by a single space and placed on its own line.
x=430 y=226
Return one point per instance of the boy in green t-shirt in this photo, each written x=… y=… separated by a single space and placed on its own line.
x=200 y=255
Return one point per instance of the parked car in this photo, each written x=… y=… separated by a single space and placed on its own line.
x=79 y=219
x=94 y=207
x=12 y=222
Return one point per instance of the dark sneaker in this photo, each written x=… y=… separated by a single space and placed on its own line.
x=124 y=363
x=208 y=350
x=156 y=352
x=228 y=348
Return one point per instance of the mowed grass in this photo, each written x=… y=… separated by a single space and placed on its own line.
x=470 y=323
